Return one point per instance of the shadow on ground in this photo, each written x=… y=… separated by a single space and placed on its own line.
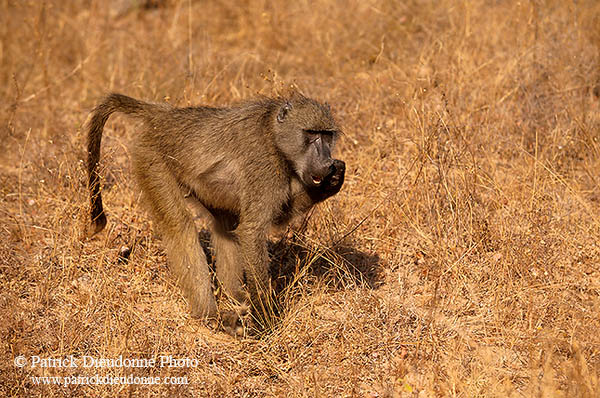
x=340 y=267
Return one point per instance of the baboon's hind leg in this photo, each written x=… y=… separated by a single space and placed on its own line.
x=176 y=226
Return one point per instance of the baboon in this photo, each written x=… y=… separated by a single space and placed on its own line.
x=251 y=166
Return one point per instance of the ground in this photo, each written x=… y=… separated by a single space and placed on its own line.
x=460 y=259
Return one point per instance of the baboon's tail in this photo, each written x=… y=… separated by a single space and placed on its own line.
x=112 y=103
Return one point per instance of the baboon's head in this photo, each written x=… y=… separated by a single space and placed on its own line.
x=305 y=132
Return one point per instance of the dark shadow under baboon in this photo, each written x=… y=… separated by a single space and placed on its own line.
x=340 y=266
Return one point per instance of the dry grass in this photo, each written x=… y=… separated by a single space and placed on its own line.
x=461 y=258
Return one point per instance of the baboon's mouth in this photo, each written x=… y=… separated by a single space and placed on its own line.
x=317 y=180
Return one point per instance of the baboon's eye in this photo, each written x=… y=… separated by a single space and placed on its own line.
x=327 y=133
x=311 y=136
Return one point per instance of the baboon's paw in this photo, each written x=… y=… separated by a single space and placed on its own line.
x=337 y=176
x=334 y=181
x=237 y=320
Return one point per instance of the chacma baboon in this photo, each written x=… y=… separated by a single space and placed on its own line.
x=251 y=166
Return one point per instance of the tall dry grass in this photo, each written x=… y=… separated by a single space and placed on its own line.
x=460 y=259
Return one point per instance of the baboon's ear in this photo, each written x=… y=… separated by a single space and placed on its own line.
x=283 y=111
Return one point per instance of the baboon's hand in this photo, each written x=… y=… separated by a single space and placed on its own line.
x=237 y=321
x=335 y=180
x=331 y=184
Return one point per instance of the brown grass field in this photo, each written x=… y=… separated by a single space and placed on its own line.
x=461 y=258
